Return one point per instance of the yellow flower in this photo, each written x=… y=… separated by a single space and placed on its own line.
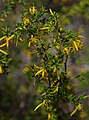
x=75 y=46
x=61 y=29
x=51 y=12
x=56 y=89
x=31 y=40
x=49 y=115
x=20 y=39
x=80 y=36
x=54 y=40
x=1 y=70
x=19 y=28
x=10 y=37
x=3 y=52
x=36 y=66
x=53 y=83
x=54 y=70
x=26 y=21
x=40 y=105
x=1 y=19
x=79 y=43
x=69 y=73
x=2 y=45
x=33 y=9
x=65 y=50
x=44 y=28
x=58 y=46
x=42 y=70
x=78 y=107
x=2 y=38
x=43 y=73
x=7 y=40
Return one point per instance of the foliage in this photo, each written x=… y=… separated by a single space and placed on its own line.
x=41 y=32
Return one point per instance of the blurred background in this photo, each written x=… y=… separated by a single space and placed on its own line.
x=18 y=94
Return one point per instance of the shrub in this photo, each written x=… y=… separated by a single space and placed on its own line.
x=51 y=45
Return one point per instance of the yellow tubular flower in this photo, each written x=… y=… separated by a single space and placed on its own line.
x=40 y=105
x=2 y=45
x=61 y=29
x=29 y=44
x=19 y=28
x=54 y=70
x=2 y=38
x=36 y=66
x=75 y=110
x=58 y=46
x=44 y=28
x=1 y=70
x=56 y=89
x=3 y=52
x=21 y=39
x=80 y=36
x=31 y=40
x=53 y=83
x=41 y=71
x=43 y=74
x=65 y=50
x=1 y=19
x=26 y=21
x=7 y=40
x=79 y=43
x=75 y=47
x=10 y=37
x=49 y=115
x=51 y=12
x=7 y=43
x=78 y=107
x=33 y=9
